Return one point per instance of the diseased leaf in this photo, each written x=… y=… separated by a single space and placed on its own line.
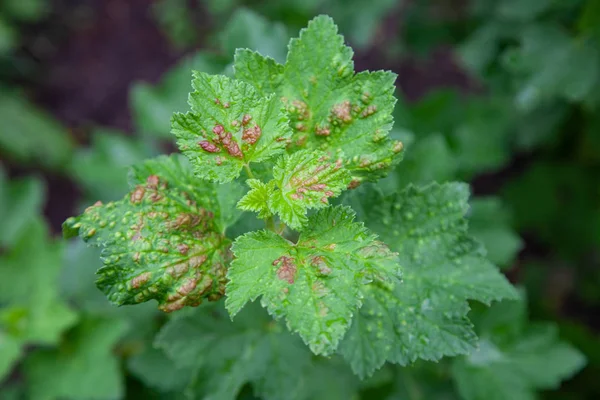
x=305 y=180
x=165 y=240
x=424 y=316
x=331 y=109
x=229 y=126
x=226 y=354
x=514 y=358
x=314 y=284
x=82 y=367
x=257 y=198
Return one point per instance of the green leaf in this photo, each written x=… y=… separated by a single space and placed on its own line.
x=314 y=284
x=25 y=10
x=165 y=240
x=176 y=20
x=102 y=168
x=229 y=127
x=514 y=359
x=10 y=352
x=489 y=222
x=157 y=371
x=248 y=29
x=359 y=20
x=32 y=312
x=31 y=136
x=227 y=355
x=82 y=367
x=424 y=316
x=305 y=180
x=331 y=109
x=20 y=202
x=428 y=159
x=257 y=198
x=153 y=105
x=548 y=55
x=8 y=36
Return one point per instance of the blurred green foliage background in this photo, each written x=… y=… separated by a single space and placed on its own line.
x=504 y=94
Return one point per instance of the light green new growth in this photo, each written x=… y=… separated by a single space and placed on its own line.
x=426 y=316
x=331 y=109
x=316 y=283
x=229 y=127
x=306 y=179
x=257 y=198
x=163 y=241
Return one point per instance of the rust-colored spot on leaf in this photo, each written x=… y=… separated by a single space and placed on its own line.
x=152 y=182
x=137 y=195
x=287 y=270
x=141 y=279
x=322 y=130
x=245 y=119
x=209 y=147
x=321 y=265
x=397 y=146
x=370 y=110
x=183 y=248
x=342 y=111
x=354 y=183
x=251 y=135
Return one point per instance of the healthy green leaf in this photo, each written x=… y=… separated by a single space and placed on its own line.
x=305 y=180
x=163 y=241
x=424 y=316
x=314 y=284
x=20 y=202
x=229 y=127
x=29 y=135
x=102 y=168
x=248 y=29
x=489 y=222
x=227 y=355
x=157 y=371
x=428 y=159
x=514 y=359
x=257 y=198
x=331 y=109
x=153 y=105
x=32 y=311
x=83 y=367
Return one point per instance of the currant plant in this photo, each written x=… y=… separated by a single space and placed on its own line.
x=374 y=278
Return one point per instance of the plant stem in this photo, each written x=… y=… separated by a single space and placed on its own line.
x=270 y=224
x=249 y=171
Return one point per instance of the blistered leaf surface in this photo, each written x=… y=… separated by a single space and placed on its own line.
x=331 y=108
x=165 y=240
x=314 y=284
x=305 y=180
x=424 y=316
x=230 y=126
